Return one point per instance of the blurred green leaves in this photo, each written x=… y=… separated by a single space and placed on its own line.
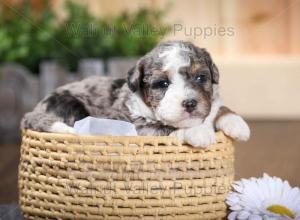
x=28 y=38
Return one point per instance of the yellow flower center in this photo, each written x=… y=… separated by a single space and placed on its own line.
x=281 y=210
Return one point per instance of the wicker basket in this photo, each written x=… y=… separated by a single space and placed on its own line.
x=89 y=177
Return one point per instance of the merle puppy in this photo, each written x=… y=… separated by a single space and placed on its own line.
x=172 y=90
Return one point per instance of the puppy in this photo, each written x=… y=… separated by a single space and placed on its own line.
x=172 y=90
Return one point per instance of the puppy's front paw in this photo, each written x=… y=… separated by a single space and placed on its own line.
x=234 y=126
x=199 y=136
x=60 y=127
x=179 y=134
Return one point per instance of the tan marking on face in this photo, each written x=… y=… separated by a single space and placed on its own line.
x=152 y=96
x=195 y=68
x=222 y=112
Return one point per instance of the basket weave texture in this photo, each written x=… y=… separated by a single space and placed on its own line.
x=105 y=177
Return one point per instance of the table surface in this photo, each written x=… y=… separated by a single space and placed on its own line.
x=10 y=212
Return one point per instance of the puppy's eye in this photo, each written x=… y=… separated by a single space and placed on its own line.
x=201 y=78
x=162 y=84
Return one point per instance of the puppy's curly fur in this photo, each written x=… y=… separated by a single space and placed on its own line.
x=172 y=90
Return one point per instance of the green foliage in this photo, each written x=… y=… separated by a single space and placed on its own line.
x=24 y=38
x=28 y=38
x=137 y=33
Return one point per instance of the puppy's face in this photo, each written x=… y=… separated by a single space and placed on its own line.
x=175 y=80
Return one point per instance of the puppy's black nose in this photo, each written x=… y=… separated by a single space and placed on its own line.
x=189 y=105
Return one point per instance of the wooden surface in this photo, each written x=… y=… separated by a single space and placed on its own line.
x=10 y=212
x=9 y=160
x=274 y=148
x=261 y=27
x=261 y=87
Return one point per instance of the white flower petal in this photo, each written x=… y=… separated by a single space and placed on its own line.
x=255 y=217
x=253 y=196
x=233 y=198
x=236 y=207
x=243 y=215
x=238 y=187
x=232 y=216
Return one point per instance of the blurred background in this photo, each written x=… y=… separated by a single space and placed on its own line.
x=255 y=44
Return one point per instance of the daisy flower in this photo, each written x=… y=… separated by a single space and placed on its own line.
x=266 y=198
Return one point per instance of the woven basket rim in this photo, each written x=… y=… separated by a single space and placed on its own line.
x=221 y=137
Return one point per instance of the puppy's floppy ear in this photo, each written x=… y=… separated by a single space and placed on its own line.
x=211 y=65
x=214 y=72
x=135 y=76
x=213 y=68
